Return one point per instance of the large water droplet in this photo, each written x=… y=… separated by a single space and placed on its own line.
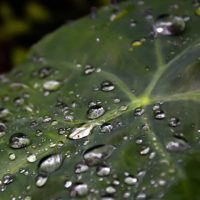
x=178 y=144
x=169 y=25
x=107 y=86
x=19 y=140
x=79 y=190
x=98 y=154
x=95 y=111
x=159 y=114
x=7 y=179
x=50 y=163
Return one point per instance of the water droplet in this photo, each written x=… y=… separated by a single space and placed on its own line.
x=107 y=86
x=159 y=114
x=12 y=156
x=51 y=85
x=95 y=111
x=79 y=190
x=7 y=179
x=89 y=69
x=44 y=72
x=98 y=154
x=67 y=184
x=41 y=180
x=19 y=140
x=132 y=23
x=4 y=113
x=110 y=190
x=139 y=111
x=130 y=180
x=106 y=128
x=50 y=163
x=178 y=144
x=81 y=168
x=31 y=158
x=82 y=131
x=103 y=170
x=174 y=122
x=169 y=25
x=145 y=151
x=2 y=129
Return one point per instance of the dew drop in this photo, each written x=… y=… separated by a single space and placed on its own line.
x=79 y=190
x=130 y=180
x=174 y=122
x=95 y=111
x=169 y=25
x=7 y=179
x=81 y=168
x=44 y=72
x=103 y=170
x=89 y=69
x=19 y=141
x=51 y=85
x=12 y=156
x=31 y=158
x=106 y=128
x=107 y=86
x=50 y=163
x=159 y=114
x=139 y=111
x=82 y=131
x=41 y=180
x=2 y=129
x=98 y=154
x=110 y=190
x=67 y=184
x=178 y=144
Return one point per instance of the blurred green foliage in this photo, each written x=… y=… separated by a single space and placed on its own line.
x=24 y=22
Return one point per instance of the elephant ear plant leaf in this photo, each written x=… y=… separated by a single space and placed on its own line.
x=107 y=107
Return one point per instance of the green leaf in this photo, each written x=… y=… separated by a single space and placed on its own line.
x=106 y=97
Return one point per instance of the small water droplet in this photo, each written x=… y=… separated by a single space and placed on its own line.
x=169 y=25
x=50 y=163
x=7 y=179
x=67 y=184
x=103 y=170
x=139 y=111
x=110 y=190
x=41 y=180
x=174 y=122
x=89 y=69
x=51 y=85
x=130 y=180
x=145 y=151
x=31 y=158
x=106 y=128
x=178 y=144
x=12 y=156
x=159 y=114
x=95 y=111
x=107 y=86
x=44 y=72
x=79 y=190
x=81 y=168
x=19 y=140
x=82 y=131
x=98 y=154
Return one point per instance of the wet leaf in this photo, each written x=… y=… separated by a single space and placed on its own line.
x=106 y=107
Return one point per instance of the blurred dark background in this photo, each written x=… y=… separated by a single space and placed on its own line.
x=24 y=22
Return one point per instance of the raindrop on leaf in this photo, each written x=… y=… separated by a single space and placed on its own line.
x=19 y=141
